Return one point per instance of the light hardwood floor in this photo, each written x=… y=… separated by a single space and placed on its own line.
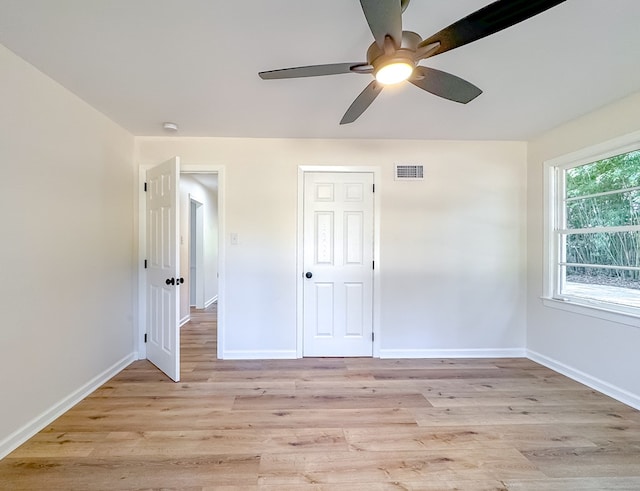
x=334 y=424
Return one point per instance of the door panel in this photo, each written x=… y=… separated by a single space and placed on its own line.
x=163 y=336
x=353 y=237
x=324 y=321
x=354 y=307
x=338 y=253
x=324 y=238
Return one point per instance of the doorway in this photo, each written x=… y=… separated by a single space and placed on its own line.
x=338 y=250
x=144 y=310
x=199 y=241
x=196 y=254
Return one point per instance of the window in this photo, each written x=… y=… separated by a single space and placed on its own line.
x=594 y=233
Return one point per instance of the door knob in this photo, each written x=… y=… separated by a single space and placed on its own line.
x=172 y=281
x=309 y=274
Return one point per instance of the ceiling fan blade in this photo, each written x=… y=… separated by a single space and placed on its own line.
x=488 y=20
x=385 y=19
x=444 y=84
x=362 y=102
x=310 y=71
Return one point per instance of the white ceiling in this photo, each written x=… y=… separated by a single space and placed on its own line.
x=195 y=62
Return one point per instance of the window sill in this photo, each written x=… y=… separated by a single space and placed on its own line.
x=583 y=307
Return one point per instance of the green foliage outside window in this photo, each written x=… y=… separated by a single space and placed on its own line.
x=619 y=207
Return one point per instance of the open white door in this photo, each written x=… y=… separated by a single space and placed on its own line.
x=163 y=275
x=338 y=264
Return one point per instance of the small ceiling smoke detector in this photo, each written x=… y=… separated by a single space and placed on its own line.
x=170 y=126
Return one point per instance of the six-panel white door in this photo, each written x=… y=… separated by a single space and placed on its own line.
x=163 y=335
x=338 y=264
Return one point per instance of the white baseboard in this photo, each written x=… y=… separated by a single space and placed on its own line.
x=184 y=320
x=399 y=353
x=260 y=355
x=211 y=301
x=454 y=353
x=606 y=388
x=21 y=435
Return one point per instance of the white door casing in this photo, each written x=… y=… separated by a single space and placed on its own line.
x=163 y=336
x=338 y=253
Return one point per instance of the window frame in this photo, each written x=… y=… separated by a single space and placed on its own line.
x=555 y=249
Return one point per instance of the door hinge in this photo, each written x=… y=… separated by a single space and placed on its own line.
x=145 y=187
x=145 y=264
x=373 y=265
x=145 y=337
x=374 y=188
x=373 y=337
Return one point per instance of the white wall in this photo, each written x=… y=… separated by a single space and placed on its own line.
x=66 y=209
x=598 y=352
x=453 y=247
x=209 y=199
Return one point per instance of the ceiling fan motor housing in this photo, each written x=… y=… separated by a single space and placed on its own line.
x=379 y=57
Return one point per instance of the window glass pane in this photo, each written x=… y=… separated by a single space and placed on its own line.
x=608 y=249
x=619 y=172
x=603 y=276
x=610 y=210
x=601 y=194
x=605 y=285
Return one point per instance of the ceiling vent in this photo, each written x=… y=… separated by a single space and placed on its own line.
x=409 y=172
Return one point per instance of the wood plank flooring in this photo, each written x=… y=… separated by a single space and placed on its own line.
x=334 y=424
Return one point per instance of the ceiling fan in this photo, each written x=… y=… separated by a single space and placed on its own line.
x=394 y=55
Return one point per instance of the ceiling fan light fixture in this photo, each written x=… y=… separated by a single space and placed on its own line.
x=394 y=72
